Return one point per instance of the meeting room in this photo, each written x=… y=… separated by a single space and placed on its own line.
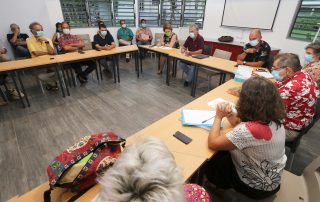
x=160 y=101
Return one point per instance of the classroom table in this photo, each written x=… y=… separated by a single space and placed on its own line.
x=188 y=157
x=14 y=67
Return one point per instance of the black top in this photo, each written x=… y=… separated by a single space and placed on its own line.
x=262 y=53
x=21 y=36
x=103 y=41
x=167 y=40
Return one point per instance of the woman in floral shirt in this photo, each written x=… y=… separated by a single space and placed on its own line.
x=312 y=56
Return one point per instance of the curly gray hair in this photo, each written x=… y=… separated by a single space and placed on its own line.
x=145 y=171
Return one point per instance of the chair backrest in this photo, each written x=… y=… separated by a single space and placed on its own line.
x=87 y=41
x=311 y=175
x=222 y=54
x=207 y=50
x=157 y=38
x=293 y=145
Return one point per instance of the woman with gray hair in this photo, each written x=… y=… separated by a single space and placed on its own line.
x=312 y=57
x=147 y=171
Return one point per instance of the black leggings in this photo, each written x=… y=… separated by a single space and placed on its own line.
x=221 y=172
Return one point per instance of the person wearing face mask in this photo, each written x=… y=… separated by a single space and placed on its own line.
x=143 y=36
x=169 y=39
x=39 y=45
x=256 y=52
x=73 y=43
x=312 y=58
x=18 y=40
x=56 y=36
x=104 y=41
x=298 y=91
x=125 y=36
x=194 y=45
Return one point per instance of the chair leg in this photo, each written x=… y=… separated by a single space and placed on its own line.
x=290 y=161
x=41 y=86
x=3 y=95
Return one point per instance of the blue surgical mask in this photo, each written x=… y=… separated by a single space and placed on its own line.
x=103 y=33
x=254 y=42
x=40 y=33
x=192 y=35
x=308 y=57
x=276 y=75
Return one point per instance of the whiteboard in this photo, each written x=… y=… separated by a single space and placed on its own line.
x=250 y=13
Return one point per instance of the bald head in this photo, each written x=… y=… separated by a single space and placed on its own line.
x=255 y=34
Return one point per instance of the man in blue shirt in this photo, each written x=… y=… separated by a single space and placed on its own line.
x=18 y=41
x=103 y=40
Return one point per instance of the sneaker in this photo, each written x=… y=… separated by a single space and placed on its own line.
x=3 y=103
x=82 y=79
x=186 y=84
x=14 y=94
x=127 y=60
x=52 y=88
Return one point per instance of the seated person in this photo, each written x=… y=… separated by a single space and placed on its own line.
x=18 y=41
x=143 y=36
x=12 y=92
x=312 y=57
x=251 y=157
x=39 y=45
x=194 y=45
x=56 y=36
x=169 y=39
x=125 y=36
x=104 y=41
x=256 y=52
x=147 y=171
x=73 y=43
x=298 y=91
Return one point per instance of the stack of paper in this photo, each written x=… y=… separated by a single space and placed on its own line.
x=243 y=73
x=192 y=117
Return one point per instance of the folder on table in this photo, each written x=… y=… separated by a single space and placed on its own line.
x=191 y=117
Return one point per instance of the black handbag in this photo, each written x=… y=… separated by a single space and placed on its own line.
x=225 y=39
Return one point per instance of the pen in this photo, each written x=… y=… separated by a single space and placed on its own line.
x=207 y=119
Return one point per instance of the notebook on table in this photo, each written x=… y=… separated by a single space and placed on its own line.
x=191 y=117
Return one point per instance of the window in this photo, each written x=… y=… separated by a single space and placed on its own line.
x=178 y=12
x=171 y=12
x=194 y=12
x=149 y=10
x=84 y=13
x=305 y=25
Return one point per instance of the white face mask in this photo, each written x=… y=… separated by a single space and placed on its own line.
x=66 y=31
x=123 y=25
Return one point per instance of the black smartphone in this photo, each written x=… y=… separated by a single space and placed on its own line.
x=261 y=70
x=51 y=58
x=98 y=50
x=81 y=52
x=182 y=137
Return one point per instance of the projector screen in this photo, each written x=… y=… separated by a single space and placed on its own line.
x=250 y=13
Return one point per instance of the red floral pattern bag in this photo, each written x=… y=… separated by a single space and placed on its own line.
x=104 y=149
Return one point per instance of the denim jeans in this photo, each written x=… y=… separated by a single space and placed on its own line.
x=143 y=52
x=188 y=70
x=22 y=51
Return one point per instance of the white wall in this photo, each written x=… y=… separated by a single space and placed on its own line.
x=276 y=38
x=48 y=12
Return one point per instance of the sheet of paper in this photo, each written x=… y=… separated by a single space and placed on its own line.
x=267 y=75
x=215 y=102
x=198 y=117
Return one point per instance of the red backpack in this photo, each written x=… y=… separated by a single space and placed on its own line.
x=77 y=167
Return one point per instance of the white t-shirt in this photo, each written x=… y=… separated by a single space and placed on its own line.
x=260 y=155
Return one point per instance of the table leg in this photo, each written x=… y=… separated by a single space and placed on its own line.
x=64 y=80
x=136 y=59
x=69 y=78
x=159 y=55
x=118 y=70
x=16 y=86
x=23 y=89
x=168 y=70
x=140 y=63
x=194 y=81
x=59 y=78
x=97 y=70
x=114 y=69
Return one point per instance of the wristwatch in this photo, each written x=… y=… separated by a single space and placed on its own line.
x=244 y=62
x=46 y=42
